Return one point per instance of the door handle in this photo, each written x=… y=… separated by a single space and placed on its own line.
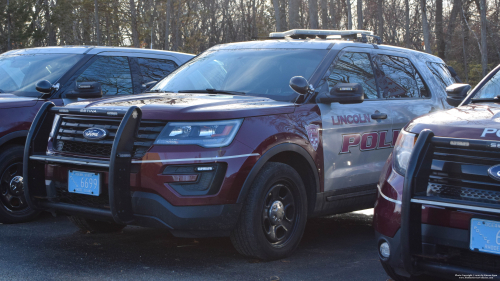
x=379 y=115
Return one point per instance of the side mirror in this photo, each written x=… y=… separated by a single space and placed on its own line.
x=300 y=85
x=86 y=90
x=344 y=93
x=454 y=74
x=457 y=93
x=44 y=86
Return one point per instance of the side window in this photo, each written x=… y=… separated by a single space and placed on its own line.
x=112 y=72
x=154 y=69
x=398 y=78
x=441 y=73
x=354 y=68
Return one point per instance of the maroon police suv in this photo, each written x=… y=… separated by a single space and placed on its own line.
x=438 y=208
x=246 y=140
x=30 y=77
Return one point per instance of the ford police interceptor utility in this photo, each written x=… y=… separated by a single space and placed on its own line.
x=438 y=209
x=246 y=140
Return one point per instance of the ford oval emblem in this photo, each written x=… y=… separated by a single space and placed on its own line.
x=494 y=172
x=95 y=134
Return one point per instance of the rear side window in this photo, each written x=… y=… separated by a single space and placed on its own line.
x=441 y=73
x=155 y=69
x=354 y=68
x=113 y=73
x=398 y=78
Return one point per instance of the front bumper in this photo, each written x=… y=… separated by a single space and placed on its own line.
x=128 y=198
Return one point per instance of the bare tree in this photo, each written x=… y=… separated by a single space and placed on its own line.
x=293 y=14
x=167 y=24
x=324 y=14
x=484 y=35
x=333 y=11
x=349 y=14
x=425 y=26
x=407 y=24
x=380 y=18
x=133 y=24
x=439 y=29
x=97 y=28
x=360 y=14
x=313 y=14
x=277 y=14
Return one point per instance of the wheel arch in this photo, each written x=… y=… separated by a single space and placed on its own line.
x=18 y=137
x=299 y=159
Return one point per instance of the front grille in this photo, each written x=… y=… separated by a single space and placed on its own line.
x=69 y=137
x=462 y=173
x=63 y=196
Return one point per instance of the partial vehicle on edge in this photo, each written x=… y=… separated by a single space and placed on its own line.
x=438 y=208
x=30 y=77
x=246 y=140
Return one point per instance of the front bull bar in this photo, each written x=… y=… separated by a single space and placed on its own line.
x=119 y=164
x=417 y=176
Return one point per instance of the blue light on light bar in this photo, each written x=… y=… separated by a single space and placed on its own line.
x=318 y=32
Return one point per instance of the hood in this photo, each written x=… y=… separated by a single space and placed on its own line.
x=179 y=106
x=11 y=101
x=468 y=121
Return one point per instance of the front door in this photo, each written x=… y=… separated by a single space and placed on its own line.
x=357 y=138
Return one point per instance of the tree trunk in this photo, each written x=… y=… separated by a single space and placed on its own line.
x=465 y=41
x=324 y=14
x=97 y=27
x=167 y=25
x=407 y=24
x=360 y=14
x=293 y=14
x=277 y=15
x=484 y=44
x=425 y=27
x=313 y=14
x=349 y=14
x=9 y=47
x=451 y=28
x=133 y=24
x=380 y=18
x=439 y=29
x=332 y=13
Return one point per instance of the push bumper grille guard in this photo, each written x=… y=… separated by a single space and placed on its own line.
x=416 y=180
x=119 y=163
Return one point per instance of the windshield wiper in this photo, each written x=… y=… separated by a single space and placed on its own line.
x=212 y=91
x=496 y=99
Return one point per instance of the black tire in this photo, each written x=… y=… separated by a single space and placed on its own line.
x=269 y=233
x=13 y=205
x=93 y=226
x=394 y=276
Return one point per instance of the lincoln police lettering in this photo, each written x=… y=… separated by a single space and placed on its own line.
x=350 y=119
x=368 y=141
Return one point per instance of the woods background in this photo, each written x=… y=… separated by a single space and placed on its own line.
x=465 y=33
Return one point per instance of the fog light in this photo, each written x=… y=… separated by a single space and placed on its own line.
x=385 y=251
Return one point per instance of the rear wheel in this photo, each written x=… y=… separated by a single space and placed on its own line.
x=93 y=226
x=13 y=205
x=274 y=215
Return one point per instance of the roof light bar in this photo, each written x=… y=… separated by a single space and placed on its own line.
x=317 y=32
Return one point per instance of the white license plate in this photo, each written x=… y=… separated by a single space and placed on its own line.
x=84 y=183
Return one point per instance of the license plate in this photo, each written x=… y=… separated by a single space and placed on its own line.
x=84 y=183
x=485 y=236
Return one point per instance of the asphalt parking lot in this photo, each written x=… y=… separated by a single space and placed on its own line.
x=339 y=247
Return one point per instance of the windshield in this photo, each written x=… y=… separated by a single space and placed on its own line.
x=491 y=89
x=256 y=72
x=20 y=73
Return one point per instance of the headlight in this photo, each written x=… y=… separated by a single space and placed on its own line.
x=205 y=134
x=402 y=151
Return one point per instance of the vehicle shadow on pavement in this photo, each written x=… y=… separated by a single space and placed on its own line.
x=339 y=247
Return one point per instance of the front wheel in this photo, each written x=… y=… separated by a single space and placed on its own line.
x=13 y=205
x=274 y=214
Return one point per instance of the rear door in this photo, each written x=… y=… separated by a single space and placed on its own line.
x=356 y=137
x=403 y=87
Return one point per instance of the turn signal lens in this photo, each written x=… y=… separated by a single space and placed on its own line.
x=402 y=151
